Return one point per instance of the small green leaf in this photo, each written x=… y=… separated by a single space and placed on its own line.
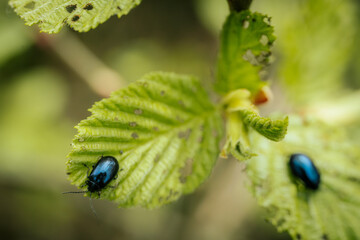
x=274 y=130
x=330 y=212
x=81 y=15
x=245 y=48
x=164 y=132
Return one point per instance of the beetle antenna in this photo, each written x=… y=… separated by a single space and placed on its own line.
x=92 y=208
x=75 y=192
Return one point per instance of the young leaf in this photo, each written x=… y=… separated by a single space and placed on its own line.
x=274 y=130
x=81 y=15
x=246 y=39
x=164 y=132
x=237 y=140
x=330 y=212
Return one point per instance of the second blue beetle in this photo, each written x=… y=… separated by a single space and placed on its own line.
x=303 y=168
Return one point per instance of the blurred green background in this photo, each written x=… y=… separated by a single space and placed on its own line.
x=47 y=83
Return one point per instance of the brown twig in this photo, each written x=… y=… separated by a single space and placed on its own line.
x=239 y=5
x=101 y=79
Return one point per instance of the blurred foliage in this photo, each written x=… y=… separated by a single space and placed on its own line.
x=140 y=57
x=179 y=36
x=15 y=37
x=213 y=14
x=316 y=39
x=34 y=106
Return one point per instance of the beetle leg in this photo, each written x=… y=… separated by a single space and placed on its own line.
x=118 y=174
x=87 y=168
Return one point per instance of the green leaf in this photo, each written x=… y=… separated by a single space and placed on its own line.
x=237 y=140
x=241 y=114
x=246 y=39
x=81 y=15
x=332 y=211
x=274 y=130
x=164 y=132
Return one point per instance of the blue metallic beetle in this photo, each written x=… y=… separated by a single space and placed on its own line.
x=303 y=168
x=103 y=172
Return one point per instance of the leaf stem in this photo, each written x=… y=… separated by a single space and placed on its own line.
x=100 y=78
x=239 y=5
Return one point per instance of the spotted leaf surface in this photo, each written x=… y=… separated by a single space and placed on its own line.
x=164 y=132
x=246 y=39
x=330 y=212
x=81 y=15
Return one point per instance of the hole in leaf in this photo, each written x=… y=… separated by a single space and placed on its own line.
x=170 y=194
x=88 y=7
x=75 y=18
x=264 y=40
x=186 y=170
x=181 y=103
x=134 y=135
x=246 y=24
x=157 y=158
x=71 y=8
x=30 y=5
x=298 y=236
x=250 y=57
x=179 y=119
x=185 y=134
x=132 y=124
x=267 y=20
x=138 y=111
